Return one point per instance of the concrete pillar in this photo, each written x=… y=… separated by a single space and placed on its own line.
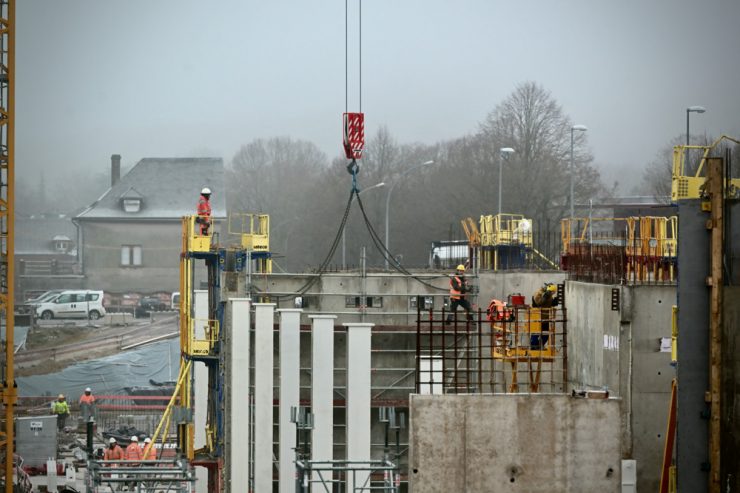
x=200 y=387
x=238 y=385
x=358 y=399
x=322 y=391
x=290 y=378
x=263 y=394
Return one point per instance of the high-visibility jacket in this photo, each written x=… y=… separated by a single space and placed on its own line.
x=204 y=214
x=87 y=399
x=458 y=287
x=115 y=453
x=58 y=407
x=133 y=452
x=151 y=454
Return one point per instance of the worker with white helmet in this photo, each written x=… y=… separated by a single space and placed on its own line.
x=61 y=409
x=204 y=211
x=87 y=405
x=133 y=451
x=459 y=289
x=149 y=452
x=114 y=451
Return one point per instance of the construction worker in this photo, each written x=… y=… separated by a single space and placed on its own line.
x=458 y=290
x=133 y=451
x=204 y=211
x=545 y=298
x=87 y=405
x=114 y=451
x=61 y=409
x=150 y=454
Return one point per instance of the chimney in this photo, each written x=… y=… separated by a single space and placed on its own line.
x=115 y=169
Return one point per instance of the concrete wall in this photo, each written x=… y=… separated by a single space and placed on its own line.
x=330 y=293
x=540 y=443
x=620 y=351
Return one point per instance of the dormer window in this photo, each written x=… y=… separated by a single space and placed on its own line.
x=131 y=200
x=132 y=205
x=61 y=243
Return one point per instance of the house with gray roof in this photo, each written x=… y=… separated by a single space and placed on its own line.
x=130 y=238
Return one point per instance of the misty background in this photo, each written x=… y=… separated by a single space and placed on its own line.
x=262 y=85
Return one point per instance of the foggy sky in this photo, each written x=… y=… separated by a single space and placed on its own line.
x=152 y=78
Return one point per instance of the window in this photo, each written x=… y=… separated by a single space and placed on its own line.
x=92 y=297
x=65 y=298
x=131 y=205
x=425 y=302
x=60 y=246
x=131 y=255
x=370 y=302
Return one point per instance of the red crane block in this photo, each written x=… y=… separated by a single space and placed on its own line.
x=354 y=135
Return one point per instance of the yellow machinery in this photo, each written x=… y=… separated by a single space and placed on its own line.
x=254 y=231
x=529 y=336
x=505 y=241
x=650 y=243
x=684 y=186
x=7 y=228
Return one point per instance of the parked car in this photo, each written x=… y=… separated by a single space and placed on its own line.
x=29 y=306
x=175 y=301
x=73 y=304
x=149 y=304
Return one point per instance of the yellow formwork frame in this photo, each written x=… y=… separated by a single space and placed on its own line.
x=254 y=230
x=685 y=186
x=7 y=229
x=502 y=230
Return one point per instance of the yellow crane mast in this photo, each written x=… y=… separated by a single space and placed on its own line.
x=7 y=226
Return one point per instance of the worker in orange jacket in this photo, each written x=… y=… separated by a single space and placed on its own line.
x=87 y=405
x=204 y=211
x=150 y=454
x=114 y=451
x=458 y=290
x=133 y=451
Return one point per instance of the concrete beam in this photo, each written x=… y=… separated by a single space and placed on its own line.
x=263 y=395
x=290 y=354
x=322 y=390
x=238 y=429
x=358 y=399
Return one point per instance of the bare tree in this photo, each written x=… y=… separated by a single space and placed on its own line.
x=536 y=177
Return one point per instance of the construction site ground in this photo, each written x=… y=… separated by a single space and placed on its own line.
x=53 y=345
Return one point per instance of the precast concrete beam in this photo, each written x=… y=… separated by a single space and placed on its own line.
x=200 y=387
x=358 y=399
x=263 y=394
x=290 y=359
x=322 y=390
x=238 y=418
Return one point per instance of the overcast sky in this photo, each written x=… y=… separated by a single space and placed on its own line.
x=153 y=78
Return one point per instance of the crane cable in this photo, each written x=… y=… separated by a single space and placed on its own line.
x=387 y=255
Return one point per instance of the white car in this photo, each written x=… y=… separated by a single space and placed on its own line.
x=73 y=304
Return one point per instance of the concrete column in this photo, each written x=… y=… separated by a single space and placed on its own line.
x=200 y=387
x=263 y=394
x=358 y=399
x=322 y=390
x=290 y=378
x=239 y=413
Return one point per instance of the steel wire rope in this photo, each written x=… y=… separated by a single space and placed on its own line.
x=322 y=268
x=386 y=253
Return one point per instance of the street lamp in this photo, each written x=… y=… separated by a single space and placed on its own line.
x=580 y=128
x=344 y=229
x=504 y=153
x=388 y=203
x=692 y=109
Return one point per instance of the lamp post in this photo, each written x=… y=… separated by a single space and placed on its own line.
x=580 y=128
x=388 y=203
x=504 y=153
x=344 y=229
x=690 y=109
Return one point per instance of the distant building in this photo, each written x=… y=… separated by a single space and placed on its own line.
x=45 y=255
x=130 y=238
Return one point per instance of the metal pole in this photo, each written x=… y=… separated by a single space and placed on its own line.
x=500 y=174
x=387 y=233
x=572 y=214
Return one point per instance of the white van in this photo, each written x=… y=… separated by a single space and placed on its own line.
x=175 y=301
x=73 y=304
